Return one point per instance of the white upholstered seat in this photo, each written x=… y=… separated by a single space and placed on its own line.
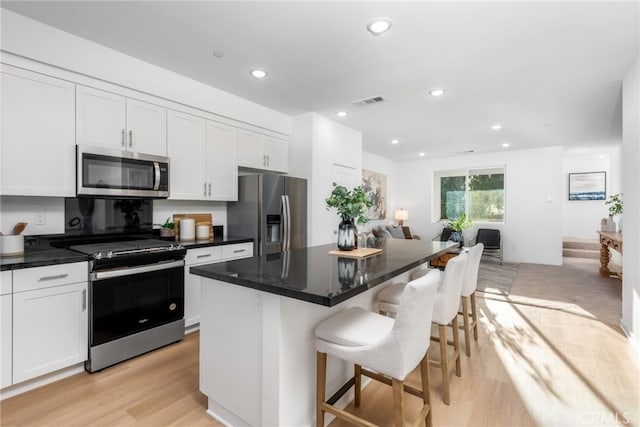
x=389 y=348
x=445 y=311
x=468 y=294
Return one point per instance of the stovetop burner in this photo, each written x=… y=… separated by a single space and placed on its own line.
x=111 y=250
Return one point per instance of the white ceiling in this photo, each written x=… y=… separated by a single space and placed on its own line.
x=549 y=72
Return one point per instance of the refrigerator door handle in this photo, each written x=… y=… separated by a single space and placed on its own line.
x=283 y=208
x=288 y=222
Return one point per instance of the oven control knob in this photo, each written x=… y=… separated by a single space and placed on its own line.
x=98 y=255
x=110 y=254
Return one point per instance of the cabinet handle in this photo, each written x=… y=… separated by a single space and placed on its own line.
x=84 y=299
x=209 y=189
x=59 y=276
x=268 y=159
x=237 y=251
x=130 y=138
x=264 y=160
x=203 y=256
x=204 y=189
x=124 y=142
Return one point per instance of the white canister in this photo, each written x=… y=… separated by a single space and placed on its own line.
x=12 y=245
x=187 y=229
x=202 y=232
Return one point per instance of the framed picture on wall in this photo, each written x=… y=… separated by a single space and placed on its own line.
x=375 y=187
x=587 y=186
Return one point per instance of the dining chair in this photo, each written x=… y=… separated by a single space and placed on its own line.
x=468 y=295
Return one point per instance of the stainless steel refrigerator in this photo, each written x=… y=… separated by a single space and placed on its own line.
x=273 y=210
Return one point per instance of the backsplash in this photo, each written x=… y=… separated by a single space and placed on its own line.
x=163 y=209
x=14 y=209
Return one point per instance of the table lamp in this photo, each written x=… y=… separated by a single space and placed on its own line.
x=400 y=216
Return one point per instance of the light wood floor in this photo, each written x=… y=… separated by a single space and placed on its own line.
x=550 y=353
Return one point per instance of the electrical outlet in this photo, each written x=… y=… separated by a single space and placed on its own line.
x=40 y=218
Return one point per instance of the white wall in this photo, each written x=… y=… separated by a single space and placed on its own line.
x=31 y=39
x=581 y=218
x=631 y=189
x=23 y=209
x=532 y=231
x=331 y=145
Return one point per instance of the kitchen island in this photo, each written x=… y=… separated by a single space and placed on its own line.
x=257 y=353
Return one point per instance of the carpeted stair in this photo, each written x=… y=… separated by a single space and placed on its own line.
x=580 y=248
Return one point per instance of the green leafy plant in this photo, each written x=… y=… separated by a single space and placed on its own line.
x=615 y=204
x=350 y=204
x=458 y=224
x=168 y=224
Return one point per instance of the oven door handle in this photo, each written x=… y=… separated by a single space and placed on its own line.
x=102 y=275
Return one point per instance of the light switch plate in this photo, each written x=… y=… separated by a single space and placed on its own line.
x=40 y=218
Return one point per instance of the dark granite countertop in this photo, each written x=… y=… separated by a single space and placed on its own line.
x=315 y=276
x=216 y=241
x=41 y=253
x=40 y=257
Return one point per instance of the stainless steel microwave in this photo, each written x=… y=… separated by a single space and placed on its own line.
x=113 y=173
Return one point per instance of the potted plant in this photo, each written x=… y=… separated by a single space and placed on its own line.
x=352 y=206
x=167 y=229
x=457 y=225
x=615 y=208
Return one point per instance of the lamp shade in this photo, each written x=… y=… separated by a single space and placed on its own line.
x=401 y=215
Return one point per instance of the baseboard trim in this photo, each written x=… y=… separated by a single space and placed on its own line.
x=633 y=340
x=40 y=381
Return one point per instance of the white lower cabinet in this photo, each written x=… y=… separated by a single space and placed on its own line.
x=6 y=328
x=201 y=256
x=50 y=319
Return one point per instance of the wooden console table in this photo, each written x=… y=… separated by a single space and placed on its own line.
x=608 y=240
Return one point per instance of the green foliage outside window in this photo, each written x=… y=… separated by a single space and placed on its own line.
x=485 y=195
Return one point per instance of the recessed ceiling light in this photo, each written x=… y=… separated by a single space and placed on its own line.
x=505 y=144
x=379 y=26
x=395 y=141
x=259 y=74
x=437 y=92
x=218 y=53
x=342 y=114
x=421 y=154
x=497 y=126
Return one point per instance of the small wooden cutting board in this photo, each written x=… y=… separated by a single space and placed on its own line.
x=356 y=253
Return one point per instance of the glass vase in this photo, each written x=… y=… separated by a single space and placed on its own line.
x=346 y=235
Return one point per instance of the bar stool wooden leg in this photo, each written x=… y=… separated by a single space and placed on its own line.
x=465 y=322
x=474 y=316
x=456 y=345
x=357 y=374
x=444 y=365
x=321 y=384
x=426 y=391
x=398 y=402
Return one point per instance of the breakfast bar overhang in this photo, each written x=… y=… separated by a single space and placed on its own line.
x=257 y=354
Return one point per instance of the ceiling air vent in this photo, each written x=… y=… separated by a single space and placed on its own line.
x=368 y=101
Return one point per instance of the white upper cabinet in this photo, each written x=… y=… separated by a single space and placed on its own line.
x=38 y=144
x=259 y=151
x=221 y=162
x=203 y=154
x=186 y=141
x=104 y=119
x=147 y=128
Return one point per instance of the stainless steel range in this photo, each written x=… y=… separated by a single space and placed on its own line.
x=136 y=284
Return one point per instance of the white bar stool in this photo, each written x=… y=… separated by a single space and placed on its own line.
x=445 y=313
x=469 y=286
x=389 y=349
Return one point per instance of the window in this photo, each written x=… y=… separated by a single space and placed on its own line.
x=479 y=193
